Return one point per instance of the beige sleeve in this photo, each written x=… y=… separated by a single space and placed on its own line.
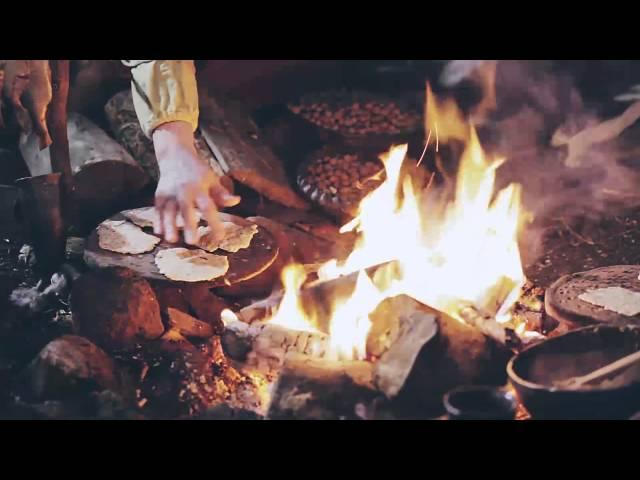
x=164 y=91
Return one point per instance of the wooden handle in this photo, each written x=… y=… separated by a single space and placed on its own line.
x=602 y=372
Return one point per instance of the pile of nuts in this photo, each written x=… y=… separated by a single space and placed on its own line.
x=356 y=114
x=344 y=177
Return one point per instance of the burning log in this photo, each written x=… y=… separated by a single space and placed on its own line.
x=395 y=364
x=460 y=354
x=317 y=293
x=265 y=345
x=321 y=389
x=489 y=326
x=417 y=354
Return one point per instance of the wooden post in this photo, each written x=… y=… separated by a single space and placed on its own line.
x=57 y=123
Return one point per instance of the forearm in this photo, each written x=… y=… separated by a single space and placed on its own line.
x=171 y=141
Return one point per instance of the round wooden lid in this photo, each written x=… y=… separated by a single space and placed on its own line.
x=563 y=304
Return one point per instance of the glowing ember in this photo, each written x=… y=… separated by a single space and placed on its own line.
x=446 y=252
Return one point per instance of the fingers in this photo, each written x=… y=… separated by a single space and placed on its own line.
x=202 y=192
x=190 y=219
x=157 y=218
x=222 y=196
x=207 y=207
x=167 y=218
x=40 y=127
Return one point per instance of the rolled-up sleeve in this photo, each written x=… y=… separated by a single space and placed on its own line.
x=164 y=91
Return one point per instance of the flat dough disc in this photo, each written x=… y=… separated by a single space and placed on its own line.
x=615 y=299
x=236 y=237
x=124 y=237
x=184 y=265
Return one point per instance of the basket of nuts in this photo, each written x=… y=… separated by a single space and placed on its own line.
x=338 y=179
x=359 y=119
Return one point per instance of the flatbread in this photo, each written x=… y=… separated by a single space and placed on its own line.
x=124 y=237
x=144 y=217
x=236 y=237
x=206 y=241
x=185 y=265
x=615 y=299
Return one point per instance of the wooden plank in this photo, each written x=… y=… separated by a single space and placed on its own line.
x=236 y=145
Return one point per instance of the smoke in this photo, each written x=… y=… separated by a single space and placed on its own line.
x=534 y=100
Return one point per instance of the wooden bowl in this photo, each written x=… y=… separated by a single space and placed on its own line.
x=480 y=403
x=535 y=371
x=333 y=203
x=379 y=140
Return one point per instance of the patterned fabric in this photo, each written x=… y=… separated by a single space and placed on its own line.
x=164 y=91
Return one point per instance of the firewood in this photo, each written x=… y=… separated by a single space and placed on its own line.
x=235 y=143
x=460 y=354
x=396 y=363
x=244 y=342
x=104 y=174
x=317 y=294
x=187 y=325
x=261 y=309
x=489 y=326
x=422 y=353
x=321 y=389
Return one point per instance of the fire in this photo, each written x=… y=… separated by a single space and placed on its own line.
x=350 y=322
x=445 y=252
x=291 y=313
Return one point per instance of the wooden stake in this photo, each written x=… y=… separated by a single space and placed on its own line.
x=57 y=123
